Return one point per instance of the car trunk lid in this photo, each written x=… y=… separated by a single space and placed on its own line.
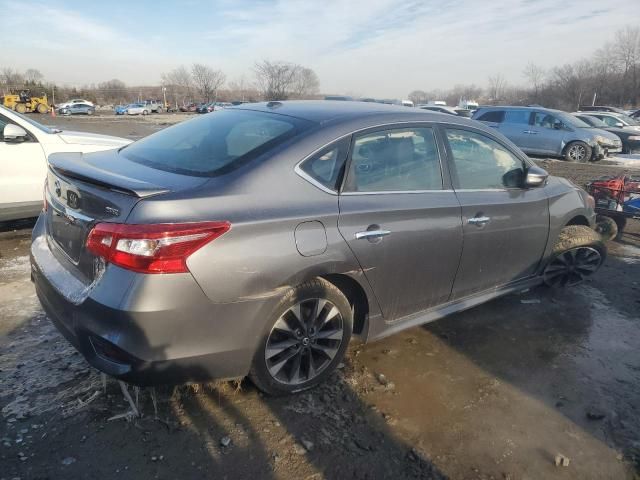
x=84 y=189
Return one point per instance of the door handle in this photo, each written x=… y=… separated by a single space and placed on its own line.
x=370 y=234
x=480 y=221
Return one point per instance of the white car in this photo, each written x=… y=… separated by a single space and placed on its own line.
x=24 y=148
x=138 y=109
x=73 y=101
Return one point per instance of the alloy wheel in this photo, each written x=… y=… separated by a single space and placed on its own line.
x=572 y=267
x=577 y=152
x=303 y=341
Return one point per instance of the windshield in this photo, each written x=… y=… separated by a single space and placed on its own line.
x=627 y=120
x=214 y=144
x=593 y=121
x=570 y=120
x=31 y=122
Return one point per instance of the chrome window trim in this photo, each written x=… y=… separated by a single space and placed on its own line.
x=389 y=192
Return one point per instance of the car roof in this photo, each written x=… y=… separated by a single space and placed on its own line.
x=324 y=111
x=499 y=107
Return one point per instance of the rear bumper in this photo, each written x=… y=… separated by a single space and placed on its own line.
x=148 y=329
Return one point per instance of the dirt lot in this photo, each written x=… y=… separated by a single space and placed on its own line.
x=496 y=392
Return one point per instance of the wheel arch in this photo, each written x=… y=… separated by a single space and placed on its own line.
x=578 y=220
x=356 y=296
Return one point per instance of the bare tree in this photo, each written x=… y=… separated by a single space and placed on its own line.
x=12 y=78
x=207 y=80
x=33 y=76
x=497 y=85
x=535 y=74
x=627 y=50
x=418 y=97
x=275 y=79
x=179 y=83
x=113 y=91
x=305 y=83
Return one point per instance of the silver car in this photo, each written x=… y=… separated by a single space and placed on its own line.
x=543 y=131
x=259 y=240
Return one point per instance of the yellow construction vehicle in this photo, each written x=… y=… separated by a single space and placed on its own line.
x=25 y=103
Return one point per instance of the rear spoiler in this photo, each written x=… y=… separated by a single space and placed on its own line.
x=72 y=165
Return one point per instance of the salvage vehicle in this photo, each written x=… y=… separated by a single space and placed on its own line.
x=543 y=131
x=617 y=120
x=137 y=109
x=630 y=139
x=77 y=108
x=74 y=101
x=24 y=147
x=617 y=199
x=260 y=239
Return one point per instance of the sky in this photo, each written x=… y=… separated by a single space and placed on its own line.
x=373 y=48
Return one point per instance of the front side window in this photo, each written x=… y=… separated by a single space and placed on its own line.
x=546 y=120
x=482 y=163
x=521 y=117
x=214 y=144
x=404 y=159
x=327 y=166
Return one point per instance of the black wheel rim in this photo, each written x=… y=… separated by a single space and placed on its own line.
x=304 y=341
x=572 y=267
x=577 y=152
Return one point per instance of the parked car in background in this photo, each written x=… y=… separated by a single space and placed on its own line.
x=543 y=131
x=630 y=139
x=617 y=120
x=120 y=109
x=74 y=101
x=600 y=108
x=24 y=147
x=154 y=106
x=137 y=109
x=340 y=98
x=181 y=265
x=635 y=114
x=77 y=108
x=206 y=107
x=190 y=107
x=439 y=109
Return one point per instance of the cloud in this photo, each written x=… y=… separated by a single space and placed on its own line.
x=381 y=48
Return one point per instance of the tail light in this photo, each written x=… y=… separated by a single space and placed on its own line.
x=153 y=248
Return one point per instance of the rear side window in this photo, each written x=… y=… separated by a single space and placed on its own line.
x=482 y=163
x=495 y=116
x=327 y=166
x=520 y=117
x=394 y=160
x=214 y=144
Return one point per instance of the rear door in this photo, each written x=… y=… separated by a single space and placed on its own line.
x=505 y=225
x=516 y=127
x=400 y=219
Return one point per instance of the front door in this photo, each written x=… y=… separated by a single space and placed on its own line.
x=547 y=133
x=23 y=170
x=397 y=217
x=505 y=225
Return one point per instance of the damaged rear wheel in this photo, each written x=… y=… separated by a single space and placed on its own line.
x=577 y=254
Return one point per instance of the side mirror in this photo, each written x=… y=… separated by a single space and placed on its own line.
x=14 y=133
x=557 y=126
x=535 y=177
x=619 y=124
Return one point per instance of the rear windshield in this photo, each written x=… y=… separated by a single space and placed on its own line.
x=215 y=143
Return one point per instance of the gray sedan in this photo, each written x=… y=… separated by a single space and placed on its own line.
x=259 y=240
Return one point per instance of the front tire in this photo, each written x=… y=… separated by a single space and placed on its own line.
x=307 y=337
x=578 y=253
x=577 y=152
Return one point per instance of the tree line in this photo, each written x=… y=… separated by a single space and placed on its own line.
x=269 y=80
x=611 y=76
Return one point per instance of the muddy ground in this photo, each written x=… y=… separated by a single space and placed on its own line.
x=496 y=392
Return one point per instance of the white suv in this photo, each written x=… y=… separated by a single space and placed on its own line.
x=24 y=148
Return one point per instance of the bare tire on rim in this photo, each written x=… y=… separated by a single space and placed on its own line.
x=306 y=339
x=577 y=254
x=578 y=152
